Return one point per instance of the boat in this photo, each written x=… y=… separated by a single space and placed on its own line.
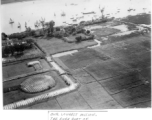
x=11 y=21
x=19 y=25
x=130 y=9
x=74 y=20
x=73 y=4
x=63 y=14
x=25 y=24
x=80 y=17
x=89 y=12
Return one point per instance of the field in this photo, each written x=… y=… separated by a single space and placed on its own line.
x=82 y=58
x=55 y=45
x=103 y=32
x=21 y=68
x=124 y=74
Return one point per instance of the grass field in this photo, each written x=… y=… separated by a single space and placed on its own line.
x=55 y=45
x=103 y=32
x=21 y=68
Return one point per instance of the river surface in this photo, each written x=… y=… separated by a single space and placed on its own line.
x=32 y=11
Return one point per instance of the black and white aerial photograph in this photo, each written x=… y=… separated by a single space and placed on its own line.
x=76 y=54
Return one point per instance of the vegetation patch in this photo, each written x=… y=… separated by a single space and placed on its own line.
x=16 y=50
x=139 y=19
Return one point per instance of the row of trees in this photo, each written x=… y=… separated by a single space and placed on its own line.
x=15 y=47
x=47 y=30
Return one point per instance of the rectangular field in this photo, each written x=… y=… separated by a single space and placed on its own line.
x=55 y=45
x=82 y=58
x=22 y=68
x=103 y=32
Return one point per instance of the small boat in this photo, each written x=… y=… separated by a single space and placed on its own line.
x=130 y=9
x=89 y=12
x=19 y=25
x=63 y=14
x=25 y=25
x=80 y=17
x=11 y=21
x=74 y=20
x=73 y=4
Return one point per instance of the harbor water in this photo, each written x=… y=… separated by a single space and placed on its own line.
x=32 y=11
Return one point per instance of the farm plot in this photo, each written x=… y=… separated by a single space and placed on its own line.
x=82 y=58
x=107 y=69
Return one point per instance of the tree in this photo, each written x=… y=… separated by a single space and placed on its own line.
x=4 y=36
x=51 y=26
